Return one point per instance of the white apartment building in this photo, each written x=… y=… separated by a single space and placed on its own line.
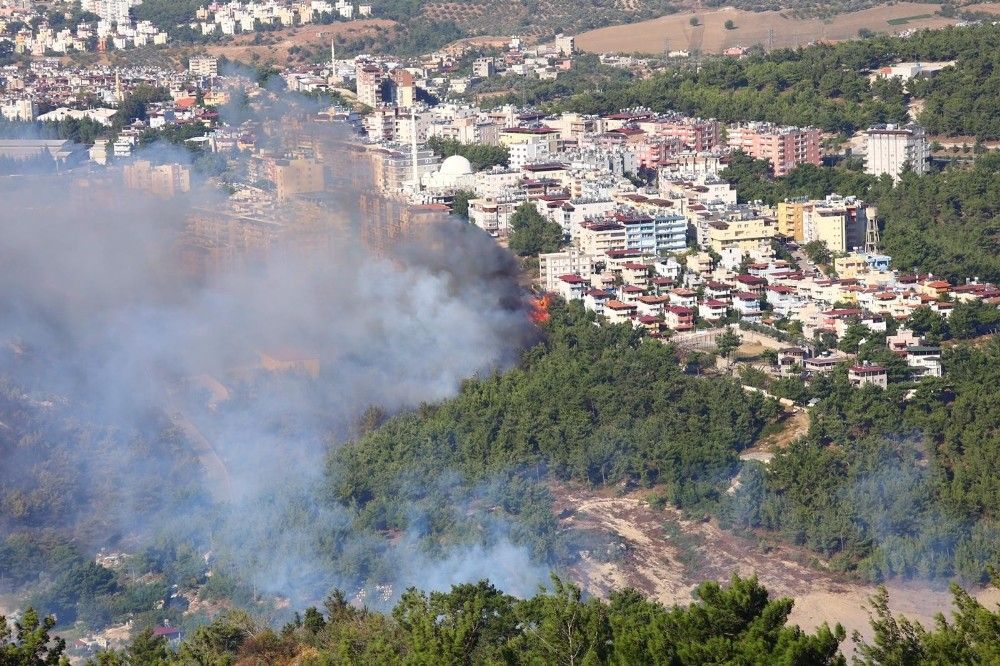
x=890 y=148
x=203 y=66
x=569 y=262
x=23 y=110
x=530 y=151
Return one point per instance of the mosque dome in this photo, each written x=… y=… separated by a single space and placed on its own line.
x=455 y=166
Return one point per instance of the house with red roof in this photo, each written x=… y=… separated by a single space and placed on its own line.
x=678 y=318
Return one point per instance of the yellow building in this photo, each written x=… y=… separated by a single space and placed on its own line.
x=838 y=221
x=596 y=238
x=789 y=216
x=826 y=224
x=748 y=234
x=851 y=266
x=298 y=176
x=510 y=136
x=165 y=180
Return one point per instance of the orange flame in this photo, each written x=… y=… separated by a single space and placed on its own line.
x=540 y=308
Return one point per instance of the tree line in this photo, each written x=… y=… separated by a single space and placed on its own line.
x=826 y=86
x=476 y=623
x=943 y=222
x=480 y=155
x=893 y=483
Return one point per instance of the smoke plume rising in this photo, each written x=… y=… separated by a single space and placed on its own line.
x=206 y=402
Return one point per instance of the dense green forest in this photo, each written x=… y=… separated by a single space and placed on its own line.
x=598 y=404
x=891 y=483
x=479 y=624
x=823 y=85
x=883 y=485
x=739 y=623
x=167 y=15
x=947 y=223
x=531 y=233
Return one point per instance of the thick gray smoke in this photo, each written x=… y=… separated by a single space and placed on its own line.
x=255 y=370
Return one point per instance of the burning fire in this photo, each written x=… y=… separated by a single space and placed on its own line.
x=540 y=308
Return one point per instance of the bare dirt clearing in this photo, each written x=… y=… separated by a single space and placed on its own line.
x=665 y=557
x=777 y=29
x=313 y=37
x=986 y=7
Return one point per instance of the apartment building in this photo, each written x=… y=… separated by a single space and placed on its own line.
x=298 y=176
x=394 y=168
x=165 y=180
x=745 y=233
x=552 y=265
x=868 y=374
x=654 y=234
x=696 y=134
x=484 y=68
x=203 y=66
x=784 y=147
x=838 y=221
x=370 y=79
x=492 y=214
x=596 y=238
x=401 y=89
x=892 y=148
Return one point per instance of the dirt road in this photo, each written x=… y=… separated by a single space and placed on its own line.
x=666 y=557
x=215 y=470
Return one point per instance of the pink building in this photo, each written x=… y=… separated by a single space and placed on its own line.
x=696 y=134
x=784 y=147
x=654 y=151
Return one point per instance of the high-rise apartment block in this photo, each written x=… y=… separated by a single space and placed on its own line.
x=893 y=148
x=784 y=147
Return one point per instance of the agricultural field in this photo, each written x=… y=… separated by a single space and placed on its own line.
x=984 y=7
x=539 y=18
x=770 y=29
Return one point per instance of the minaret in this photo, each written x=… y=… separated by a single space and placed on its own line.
x=413 y=150
x=333 y=53
x=119 y=95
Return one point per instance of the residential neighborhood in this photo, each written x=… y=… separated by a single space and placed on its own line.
x=651 y=233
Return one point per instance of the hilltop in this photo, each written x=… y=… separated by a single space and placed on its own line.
x=529 y=17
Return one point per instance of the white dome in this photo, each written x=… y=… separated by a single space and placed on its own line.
x=456 y=165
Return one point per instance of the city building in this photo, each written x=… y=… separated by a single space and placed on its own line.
x=298 y=176
x=370 y=79
x=165 y=180
x=890 y=149
x=484 y=68
x=838 y=221
x=784 y=147
x=203 y=66
x=868 y=374
x=554 y=264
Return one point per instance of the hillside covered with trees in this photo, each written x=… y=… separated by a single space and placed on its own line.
x=522 y=17
x=943 y=222
x=889 y=485
x=881 y=485
x=823 y=85
x=739 y=623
